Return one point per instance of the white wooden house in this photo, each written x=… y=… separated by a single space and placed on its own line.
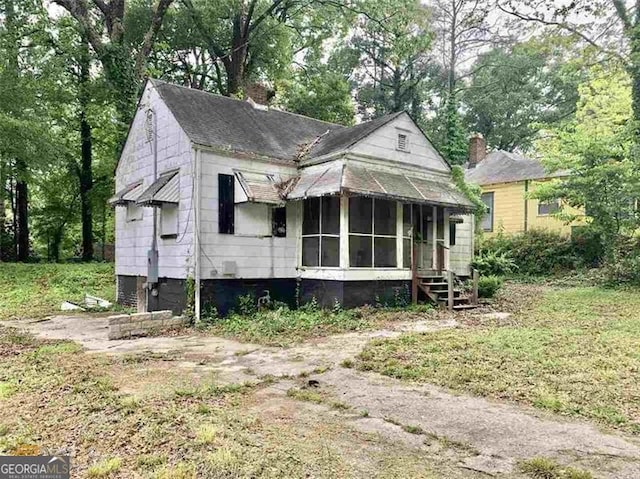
x=244 y=198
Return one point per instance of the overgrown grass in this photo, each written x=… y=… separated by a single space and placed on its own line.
x=545 y=468
x=283 y=326
x=35 y=290
x=576 y=352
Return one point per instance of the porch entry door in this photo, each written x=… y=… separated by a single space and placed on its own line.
x=423 y=235
x=430 y=255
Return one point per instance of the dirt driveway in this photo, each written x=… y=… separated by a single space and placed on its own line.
x=475 y=435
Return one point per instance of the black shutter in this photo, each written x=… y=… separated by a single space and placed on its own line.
x=226 y=204
x=279 y=223
x=452 y=234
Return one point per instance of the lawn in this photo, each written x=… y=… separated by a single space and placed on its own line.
x=36 y=290
x=573 y=351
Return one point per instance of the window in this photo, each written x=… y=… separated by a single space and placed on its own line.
x=226 y=205
x=403 y=142
x=546 y=208
x=134 y=212
x=279 y=222
x=321 y=232
x=252 y=219
x=169 y=220
x=487 y=219
x=452 y=234
x=372 y=233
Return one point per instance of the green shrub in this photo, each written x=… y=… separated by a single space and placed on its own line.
x=543 y=252
x=488 y=286
x=624 y=264
x=494 y=263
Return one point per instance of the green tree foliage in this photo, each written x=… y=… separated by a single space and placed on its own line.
x=322 y=94
x=454 y=145
x=393 y=42
x=596 y=147
x=513 y=91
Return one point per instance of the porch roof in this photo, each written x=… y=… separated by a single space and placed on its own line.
x=360 y=180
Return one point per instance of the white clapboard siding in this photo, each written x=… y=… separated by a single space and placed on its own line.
x=461 y=253
x=255 y=254
x=133 y=239
x=383 y=144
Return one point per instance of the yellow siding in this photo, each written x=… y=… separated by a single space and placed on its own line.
x=509 y=210
x=508 y=207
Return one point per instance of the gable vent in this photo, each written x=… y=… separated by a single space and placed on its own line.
x=403 y=142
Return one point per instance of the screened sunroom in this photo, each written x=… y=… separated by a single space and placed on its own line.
x=359 y=222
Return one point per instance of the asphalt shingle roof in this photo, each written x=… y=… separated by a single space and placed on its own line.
x=235 y=125
x=505 y=167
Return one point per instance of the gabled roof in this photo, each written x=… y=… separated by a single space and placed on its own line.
x=344 y=138
x=235 y=125
x=506 y=167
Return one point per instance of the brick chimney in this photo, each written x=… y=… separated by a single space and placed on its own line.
x=477 y=149
x=259 y=93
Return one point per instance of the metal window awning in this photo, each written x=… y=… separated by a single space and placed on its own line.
x=126 y=195
x=165 y=190
x=257 y=188
x=359 y=180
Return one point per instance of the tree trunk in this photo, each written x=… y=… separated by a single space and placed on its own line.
x=22 y=212
x=3 y=215
x=85 y=172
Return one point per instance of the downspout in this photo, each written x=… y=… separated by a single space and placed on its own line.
x=196 y=234
x=526 y=205
x=152 y=256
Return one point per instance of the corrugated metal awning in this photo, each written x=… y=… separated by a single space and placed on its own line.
x=258 y=188
x=166 y=189
x=126 y=195
x=360 y=180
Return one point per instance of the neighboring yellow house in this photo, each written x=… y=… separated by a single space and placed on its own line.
x=507 y=181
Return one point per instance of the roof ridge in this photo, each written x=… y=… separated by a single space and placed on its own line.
x=223 y=97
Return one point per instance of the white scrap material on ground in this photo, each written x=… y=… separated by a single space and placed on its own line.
x=90 y=302
x=69 y=306
x=95 y=302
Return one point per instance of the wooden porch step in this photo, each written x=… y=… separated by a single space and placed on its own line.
x=435 y=284
x=460 y=307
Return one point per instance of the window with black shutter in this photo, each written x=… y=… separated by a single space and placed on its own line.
x=452 y=234
x=226 y=204
x=279 y=222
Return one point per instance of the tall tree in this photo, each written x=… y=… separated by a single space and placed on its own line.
x=610 y=26
x=24 y=142
x=393 y=43
x=462 y=28
x=124 y=62
x=247 y=38
x=597 y=148
x=514 y=91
